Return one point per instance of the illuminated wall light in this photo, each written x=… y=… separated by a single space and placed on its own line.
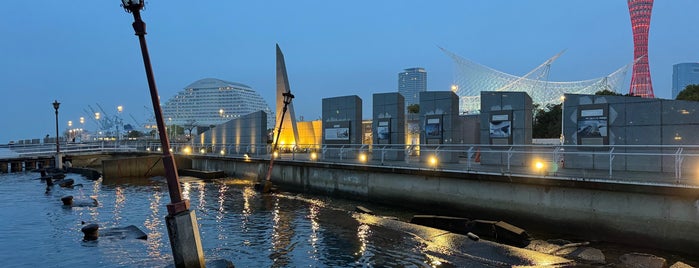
x=362 y=157
x=314 y=156
x=539 y=165
x=171 y=150
x=202 y=151
x=223 y=152
x=433 y=160
x=159 y=149
x=276 y=154
x=187 y=150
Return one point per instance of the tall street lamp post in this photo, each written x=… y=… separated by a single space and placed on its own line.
x=563 y=110
x=59 y=163
x=181 y=222
x=267 y=187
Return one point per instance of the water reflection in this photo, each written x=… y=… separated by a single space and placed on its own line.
x=154 y=224
x=119 y=200
x=363 y=234
x=236 y=223
x=313 y=211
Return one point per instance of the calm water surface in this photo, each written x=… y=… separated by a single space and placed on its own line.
x=236 y=223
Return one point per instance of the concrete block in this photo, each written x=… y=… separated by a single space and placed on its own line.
x=183 y=232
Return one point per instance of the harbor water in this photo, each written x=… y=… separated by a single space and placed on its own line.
x=236 y=223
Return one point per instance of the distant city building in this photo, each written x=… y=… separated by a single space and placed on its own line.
x=410 y=83
x=684 y=74
x=213 y=101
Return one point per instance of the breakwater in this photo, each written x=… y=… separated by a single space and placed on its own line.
x=654 y=215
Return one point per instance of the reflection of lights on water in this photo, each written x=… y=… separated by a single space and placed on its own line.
x=202 y=195
x=363 y=233
x=313 y=211
x=222 y=189
x=153 y=225
x=119 y=201
x=185 y=190
x=96 y=188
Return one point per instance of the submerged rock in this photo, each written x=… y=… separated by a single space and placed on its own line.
x=642 y=260
x=128 y=232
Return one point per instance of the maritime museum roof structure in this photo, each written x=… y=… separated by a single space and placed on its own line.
x=471 y=78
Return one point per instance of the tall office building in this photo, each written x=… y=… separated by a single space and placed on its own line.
x=684 y=74
x=410 y=83
x=641 y=84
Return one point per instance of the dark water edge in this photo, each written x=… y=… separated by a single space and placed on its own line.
x=236 y=223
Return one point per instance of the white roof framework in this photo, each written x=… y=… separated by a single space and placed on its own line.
x=471 y=78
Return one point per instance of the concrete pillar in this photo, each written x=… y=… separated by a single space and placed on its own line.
x=59 y=161
x=16 y=167
x=29 y=165
x=183 y=231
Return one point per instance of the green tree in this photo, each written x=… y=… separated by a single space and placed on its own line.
x=135 y=134
x=547 y=122
x=690 y=93
x=607 y=92
x=414 y=108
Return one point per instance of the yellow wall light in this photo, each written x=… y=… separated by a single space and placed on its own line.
x=362 y=157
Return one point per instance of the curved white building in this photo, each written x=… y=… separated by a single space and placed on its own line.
x=212 y=101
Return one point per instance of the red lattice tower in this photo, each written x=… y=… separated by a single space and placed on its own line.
x=640 y=11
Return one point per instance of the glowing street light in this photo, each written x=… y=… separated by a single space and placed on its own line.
x=59 y=163
x=563 y=107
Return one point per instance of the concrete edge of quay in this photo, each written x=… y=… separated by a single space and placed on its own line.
x=660 y=216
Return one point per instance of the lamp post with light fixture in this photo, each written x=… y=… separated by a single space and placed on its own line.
x=563 y=109
x=59 y=163
x=268 y=181
x=181 y=221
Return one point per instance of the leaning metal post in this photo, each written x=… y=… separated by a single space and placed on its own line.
x=268 y=181
x=181 y=222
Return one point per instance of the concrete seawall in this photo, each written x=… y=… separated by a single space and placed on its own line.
x=665 y=217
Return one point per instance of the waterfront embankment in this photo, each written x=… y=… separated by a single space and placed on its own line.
x=650 y=215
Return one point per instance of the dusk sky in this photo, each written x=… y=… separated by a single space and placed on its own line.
x=85 y=52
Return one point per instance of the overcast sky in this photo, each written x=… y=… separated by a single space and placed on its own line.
x=84 y=52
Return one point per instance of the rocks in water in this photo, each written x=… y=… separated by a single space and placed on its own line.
x=642 y=260
x=128 y=232
x=70 y=201
x=220 y=263
x=680 y=264
x=575 y=251
x=67 y=200
x=364 y=210
x=65 y=183
x=498 y=231
x=90 y=231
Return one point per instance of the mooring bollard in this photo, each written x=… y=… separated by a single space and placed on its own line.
x=67 y=200
x=91 y=232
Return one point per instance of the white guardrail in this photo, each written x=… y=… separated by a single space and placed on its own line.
x=622 y=163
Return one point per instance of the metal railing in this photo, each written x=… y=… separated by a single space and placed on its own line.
x=657 y=164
